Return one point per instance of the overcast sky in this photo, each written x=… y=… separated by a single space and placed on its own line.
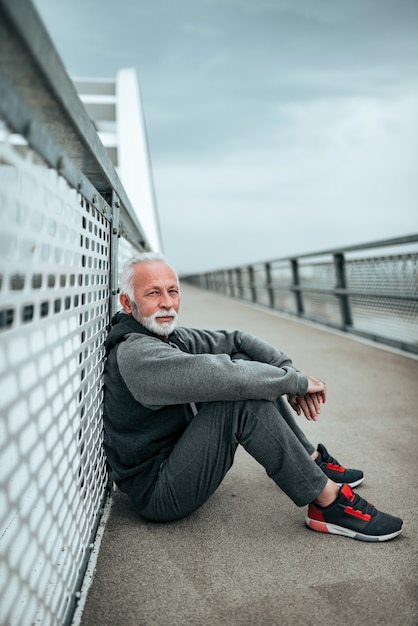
x=276 y=127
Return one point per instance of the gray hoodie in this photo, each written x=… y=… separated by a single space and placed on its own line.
x=151 y=383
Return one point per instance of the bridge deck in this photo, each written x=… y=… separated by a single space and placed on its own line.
x=246 y=557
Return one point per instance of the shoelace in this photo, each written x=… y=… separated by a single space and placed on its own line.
x=329 y=460
x=357 y=502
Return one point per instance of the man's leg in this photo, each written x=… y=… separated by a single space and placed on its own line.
x=205 y=453
x=286 y=413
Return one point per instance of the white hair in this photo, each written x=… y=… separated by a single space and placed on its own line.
x=128 y=270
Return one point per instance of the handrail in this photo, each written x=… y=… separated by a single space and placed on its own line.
x=370 y=245
x=330 y=287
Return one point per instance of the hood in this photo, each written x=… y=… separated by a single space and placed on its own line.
x=122 y=325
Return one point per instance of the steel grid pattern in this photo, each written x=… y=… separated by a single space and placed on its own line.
x=319 y=275
x=321 y=307
x=384 y=300
x=54 y=311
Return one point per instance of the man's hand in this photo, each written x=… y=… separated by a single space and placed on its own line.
x=310 y=403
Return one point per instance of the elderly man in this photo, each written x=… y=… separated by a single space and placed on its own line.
x=178 y=401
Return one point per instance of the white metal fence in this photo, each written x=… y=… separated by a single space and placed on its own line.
x=54 y=312
x=55 y=297
x=54 y=254
x=66 y=224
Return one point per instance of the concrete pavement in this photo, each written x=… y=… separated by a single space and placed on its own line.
x=246 y=557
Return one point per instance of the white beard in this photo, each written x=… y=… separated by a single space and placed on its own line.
x=151 y=324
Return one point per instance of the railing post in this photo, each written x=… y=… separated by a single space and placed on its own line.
x=239 y=282
x=231 y=290
x=225 y=282
x=221 y=282
x=339 y=264
x=296 y=285
x=114 y=250
x=252 y=286
x=269 y=285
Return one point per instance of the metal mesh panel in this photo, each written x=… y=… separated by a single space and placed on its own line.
x=281 y=278
x=224 y=282
x=54 y=309
x=219 y=282
x=259 y=279
x=125 y=252
x=395 y=274
x=245 y=284
x=392 y=317
x=263 y=297
x=322 y=307
x=396 y=320
x=319 y=275
x=285 y=301
x=232 y=286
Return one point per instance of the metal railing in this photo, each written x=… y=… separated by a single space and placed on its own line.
x=66 y=225
x=370 y=290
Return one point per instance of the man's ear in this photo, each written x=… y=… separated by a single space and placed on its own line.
x=125 y=301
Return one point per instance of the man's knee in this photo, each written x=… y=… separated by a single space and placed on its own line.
x=260 y=407
x=231 y=407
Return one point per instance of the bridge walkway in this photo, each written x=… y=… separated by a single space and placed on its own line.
x=246 y=558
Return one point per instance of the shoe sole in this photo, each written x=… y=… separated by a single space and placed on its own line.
x=333 y=529
x=356 y=483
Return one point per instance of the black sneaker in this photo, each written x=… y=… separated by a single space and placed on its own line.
x=352 y=516
x=335 y=471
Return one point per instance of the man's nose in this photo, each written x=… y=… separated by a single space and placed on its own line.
x=166 y=300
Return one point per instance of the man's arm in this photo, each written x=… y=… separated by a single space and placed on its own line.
x=242 y=345
x=237 y=344
x=158 y=374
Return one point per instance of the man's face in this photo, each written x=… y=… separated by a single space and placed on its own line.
x=156 y=295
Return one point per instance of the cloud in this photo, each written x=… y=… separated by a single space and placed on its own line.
x=340 y=167
x=275 y=127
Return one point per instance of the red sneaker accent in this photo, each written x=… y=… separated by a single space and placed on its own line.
x=315 y=513
x=321 y=528
x=336 y=468
x=357 y=513
x=347 y=492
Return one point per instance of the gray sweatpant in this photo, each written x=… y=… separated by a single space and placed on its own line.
x=205 y=452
